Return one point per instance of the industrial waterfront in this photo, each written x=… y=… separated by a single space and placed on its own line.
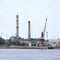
x=16 y=42
x=29 y=30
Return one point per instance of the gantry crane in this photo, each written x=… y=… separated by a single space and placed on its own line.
x=43 y=33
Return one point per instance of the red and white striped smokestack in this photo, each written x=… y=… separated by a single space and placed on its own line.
x=29 y=32
x=17 y=27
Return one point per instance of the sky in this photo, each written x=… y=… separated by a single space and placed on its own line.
x=35 y=11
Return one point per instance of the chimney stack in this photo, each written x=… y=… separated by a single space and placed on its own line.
x=29 y=32
x=17 y=28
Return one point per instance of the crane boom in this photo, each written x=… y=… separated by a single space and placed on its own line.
x=45 y=26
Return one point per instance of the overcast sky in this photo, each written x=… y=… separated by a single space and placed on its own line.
x=35 y=11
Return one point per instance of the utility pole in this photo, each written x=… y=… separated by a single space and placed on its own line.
x=46 y=35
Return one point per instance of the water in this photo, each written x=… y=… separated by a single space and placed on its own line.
x=29 y=54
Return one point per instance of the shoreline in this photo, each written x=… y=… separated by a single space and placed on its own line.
x=25 y=47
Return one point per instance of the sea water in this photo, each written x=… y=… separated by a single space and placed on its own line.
x=29 y=54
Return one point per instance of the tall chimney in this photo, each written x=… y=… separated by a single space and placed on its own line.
x=29 y=33
x=17 y=28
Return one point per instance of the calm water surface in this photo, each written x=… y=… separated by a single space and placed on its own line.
x=29 y=54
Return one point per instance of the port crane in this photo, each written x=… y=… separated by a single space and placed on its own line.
x=43 y=33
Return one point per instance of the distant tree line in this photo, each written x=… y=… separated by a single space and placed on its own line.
x=2 y=41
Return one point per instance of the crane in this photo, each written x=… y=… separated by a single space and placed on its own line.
x=43 y=32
